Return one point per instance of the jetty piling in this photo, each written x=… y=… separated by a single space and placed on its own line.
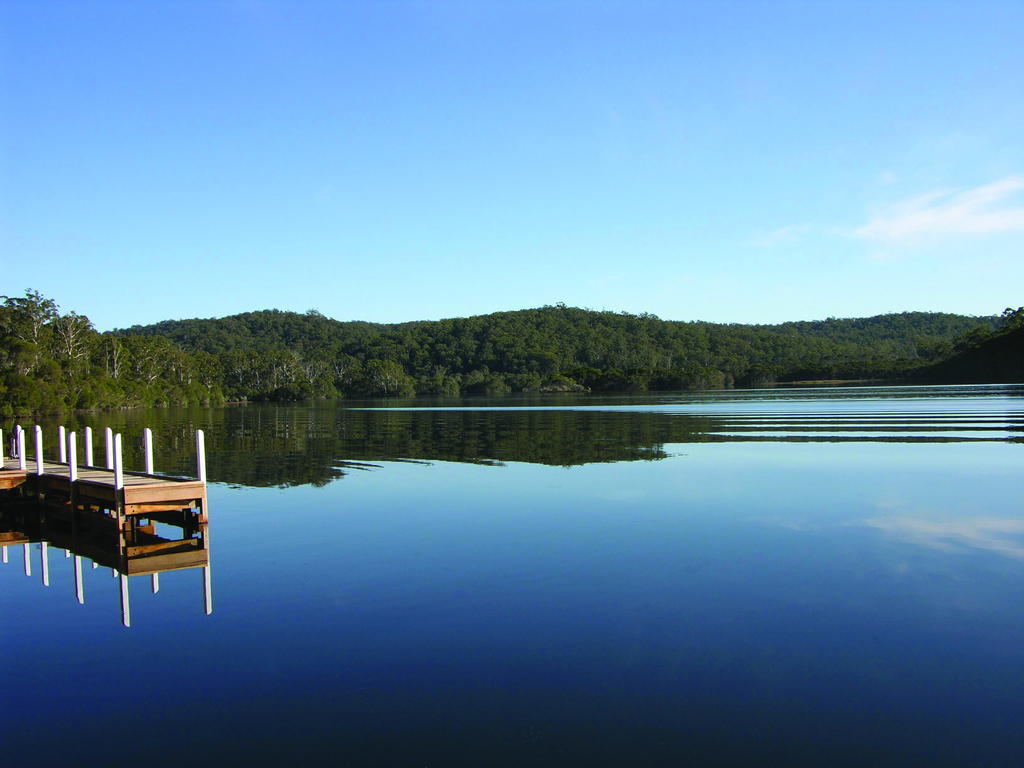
x=72 y=454
x=39 y=450
x=147 y=440
x=21 y=449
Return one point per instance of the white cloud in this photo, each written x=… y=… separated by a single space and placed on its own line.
x=984 y=210
x=1000 y=535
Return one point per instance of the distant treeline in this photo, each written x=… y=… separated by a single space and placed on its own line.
x=53 y=361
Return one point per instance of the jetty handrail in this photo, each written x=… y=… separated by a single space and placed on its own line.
x=67 y=442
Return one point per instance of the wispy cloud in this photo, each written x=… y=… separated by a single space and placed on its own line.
x=989 y=209
x=1000 y=535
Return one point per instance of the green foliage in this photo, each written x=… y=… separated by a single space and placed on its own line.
x=558 y=348
x=51 y=362
x=286 y=356
x=985 y=356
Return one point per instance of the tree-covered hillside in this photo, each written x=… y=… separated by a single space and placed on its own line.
x=283 y=355
x=52 y=361
x=991 y=358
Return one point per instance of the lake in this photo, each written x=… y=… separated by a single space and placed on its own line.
x=770 y=577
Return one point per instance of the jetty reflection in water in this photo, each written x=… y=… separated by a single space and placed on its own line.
x=165 y=541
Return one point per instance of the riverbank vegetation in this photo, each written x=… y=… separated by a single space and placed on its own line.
x=55 y=361
x=51 y=361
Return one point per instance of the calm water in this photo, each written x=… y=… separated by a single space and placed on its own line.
x=781 y=577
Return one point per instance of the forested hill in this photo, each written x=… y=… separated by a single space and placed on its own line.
x=258 y=330
x=284 y=354
x=51 y=360
x=997 y=357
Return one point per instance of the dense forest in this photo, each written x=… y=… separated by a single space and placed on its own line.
x=996 y=357
x=52 y=361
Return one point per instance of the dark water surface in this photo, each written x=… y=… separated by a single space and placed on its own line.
x=779 y=577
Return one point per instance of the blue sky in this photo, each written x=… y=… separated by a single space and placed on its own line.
x=388 y=161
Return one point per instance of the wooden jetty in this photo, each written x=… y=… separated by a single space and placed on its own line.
x=112 y=488
x=104 y=514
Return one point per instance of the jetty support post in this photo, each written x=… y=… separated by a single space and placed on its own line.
x=62 y=436
x=39 y=450
x=119 y=491
x=108 y=436
x=154 y=582
x=28 y=559
x=1 y=449
x=72 y=475
x=88 y=447
x=72 y=457
x=21 y=449
x=73 y=479
x=201 y=472
x=147 y=440
x=5 y=553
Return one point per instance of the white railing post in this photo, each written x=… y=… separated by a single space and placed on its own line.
x=108 y=435
x=201 y=455
x=88 y=446
x=72 y=456
x=39 y=450
x=147 y=439
x=118 y=463
x=62 y=436
x=21 y=449
x=1 y=449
